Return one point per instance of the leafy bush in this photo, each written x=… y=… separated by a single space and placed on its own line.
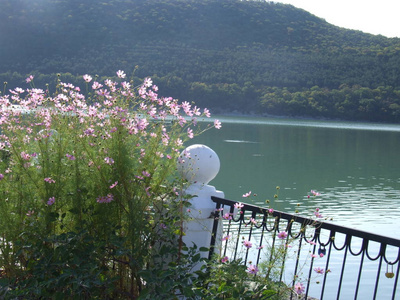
x=84 y=179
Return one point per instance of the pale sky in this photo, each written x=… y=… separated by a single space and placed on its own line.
x=376 y=17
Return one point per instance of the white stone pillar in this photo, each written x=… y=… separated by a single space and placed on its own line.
x=199 y=164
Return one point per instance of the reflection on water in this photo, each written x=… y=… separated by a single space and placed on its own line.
x=311 y=123
x=239 y=141
x=372 y=208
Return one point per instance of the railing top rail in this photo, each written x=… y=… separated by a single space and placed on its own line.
x=323 y=225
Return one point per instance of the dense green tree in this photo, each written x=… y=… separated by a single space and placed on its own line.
x=229 y=55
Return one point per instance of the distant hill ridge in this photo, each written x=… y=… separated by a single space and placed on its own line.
x=229 y=55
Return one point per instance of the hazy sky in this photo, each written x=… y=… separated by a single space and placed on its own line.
x=376 y=17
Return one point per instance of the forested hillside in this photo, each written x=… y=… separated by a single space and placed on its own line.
x=228 y=55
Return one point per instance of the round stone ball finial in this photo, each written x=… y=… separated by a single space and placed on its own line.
x=198 y=164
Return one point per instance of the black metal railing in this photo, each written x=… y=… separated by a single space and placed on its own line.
x=330 y=261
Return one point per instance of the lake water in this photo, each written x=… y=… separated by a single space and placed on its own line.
x=355 y=167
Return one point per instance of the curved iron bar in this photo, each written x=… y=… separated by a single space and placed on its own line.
x=265 y=222
x=329 y=241
x=379 y=253
x=273 y=222
x=395 y=261
x=314 y=236
x=362 y=248
x=290 y=232
x=392 y=262
x=345 y=243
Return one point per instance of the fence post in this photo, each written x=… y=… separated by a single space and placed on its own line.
x=199 y=164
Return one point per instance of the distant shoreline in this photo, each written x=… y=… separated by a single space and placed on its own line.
x=264 y=115
x=308 y=121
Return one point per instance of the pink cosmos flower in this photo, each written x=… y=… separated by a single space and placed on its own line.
x=87 y=78
x=225 y=238
x=315 y=193
x=1 y=176
x=282 y=235
x=299 y=288
x=224 y=259
x=147 y=191
x=317 y=213
x=186 y=107
x=196 y=111
x=89 y=132
x=25 y=156
x=271 y=210
x=247 y=244
x=96 y=85
x=179 y=142
x=238 y=205
x=29 y=79
x=147 y=82
x=49 y=180
x=121 y=74
x=217 y=124
x=51 y=201
x=105 y=199
x=108 y=160
x=190 y=133
x=247 y=194
x=113 y=185
x=252 y=269
x=146 y=174
x=252 y=220
x=319 y=270
x=126 y=85
x=103 y=92
x=227 y=216
x=70 y=157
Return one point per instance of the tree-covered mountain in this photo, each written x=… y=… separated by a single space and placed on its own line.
x=228 y=55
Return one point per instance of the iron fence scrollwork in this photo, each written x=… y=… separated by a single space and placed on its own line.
x=349 y=262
